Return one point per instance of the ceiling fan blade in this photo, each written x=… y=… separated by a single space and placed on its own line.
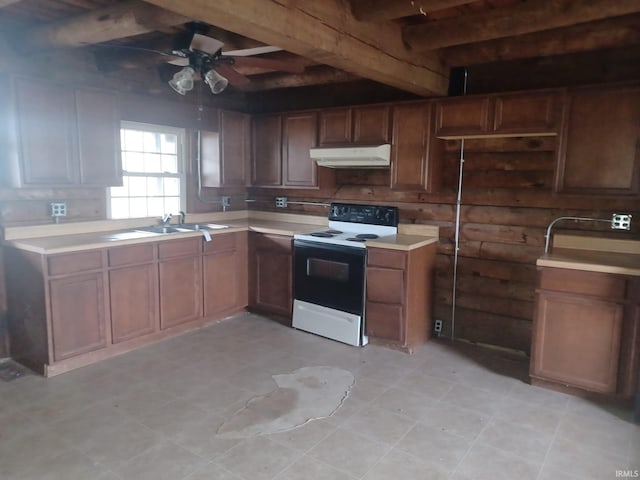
x=269 y=64
x=235 y=78
x=179 y=61
x=205 y=44
x=247 y=52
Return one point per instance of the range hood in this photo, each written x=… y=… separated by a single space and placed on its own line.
x=352 y=157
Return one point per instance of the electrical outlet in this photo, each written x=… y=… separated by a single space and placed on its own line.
x=226 y=201
x=58 y=209
x=281 y=202
x=621 y=221
x=437 y=327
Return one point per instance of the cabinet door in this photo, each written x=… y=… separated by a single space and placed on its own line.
x=221 y=282
x=300 y=134
x=98 y=138
x=180 y=291
x=271 y=274
x=77 y=315
x=385 y=321
x=600 y=145
x=577 y=341
x=463 y=117
x=371 y=125
x=47 y=129
x=335 y=127
x=533 y=113
x=410 y=162
x=234 y=148
x=134 y=301
x=266 y=158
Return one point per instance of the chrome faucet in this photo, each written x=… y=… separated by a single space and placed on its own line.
x=183 y=217
x=166 y=218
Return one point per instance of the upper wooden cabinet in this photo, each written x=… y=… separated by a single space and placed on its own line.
x=61 y=137
x=266 y=156
x=359 y=125
x=280 y=150
x=224 y=155
x=600 y=144
x=298 y=136
x=515 y=114
x=414 y=159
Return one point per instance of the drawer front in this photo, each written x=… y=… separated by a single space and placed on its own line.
x=263 y=241
x=605 y=285
x=180 y=248
x=221 y=243
x=384 y=321
x=131 y=255
x=385 y=285
x=74 y=262
x=380 y=257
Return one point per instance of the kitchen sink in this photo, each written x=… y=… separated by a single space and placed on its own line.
x=159 y=229
x=201 y=226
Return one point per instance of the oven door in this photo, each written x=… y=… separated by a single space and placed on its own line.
x=332 y=276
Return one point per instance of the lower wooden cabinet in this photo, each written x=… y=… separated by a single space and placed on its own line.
x=180 y=281
x=399 y=292
x=270 y=278
x=77 y=314
x=585 y=332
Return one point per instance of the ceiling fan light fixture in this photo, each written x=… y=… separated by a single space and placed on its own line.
x=217 y=83
x=182 y=81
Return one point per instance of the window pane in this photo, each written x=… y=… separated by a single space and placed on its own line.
x=154 y=186
x=138 y=186
x=151 y=142
x=138 y=207
x=171 y=204
x=119 y=208
x=170 y=163
x=133 y=162
x=134 y=140
x=168 y=143
x=156 y=207
x=152 y=163
x=172 y=186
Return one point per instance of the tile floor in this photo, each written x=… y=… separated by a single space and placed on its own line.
x=442 y=413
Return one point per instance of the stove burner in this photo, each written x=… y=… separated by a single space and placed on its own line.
x=322 y=234
x=334 y=232
x=367 y=236
x=356 y=239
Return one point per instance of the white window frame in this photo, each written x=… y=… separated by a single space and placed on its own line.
x=182 y=175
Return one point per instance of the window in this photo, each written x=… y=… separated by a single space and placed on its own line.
x=153 y=173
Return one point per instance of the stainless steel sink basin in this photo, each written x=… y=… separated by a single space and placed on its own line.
x=201 y=226
x=159 y=229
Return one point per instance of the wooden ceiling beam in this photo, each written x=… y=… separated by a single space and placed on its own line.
x=382 y=10
x=519 y=19
x=326 y=33
x=6 y=3
x=610 y=33
x=320 y=75
x=115 y=21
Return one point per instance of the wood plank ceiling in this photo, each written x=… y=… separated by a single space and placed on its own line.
x=408 y=45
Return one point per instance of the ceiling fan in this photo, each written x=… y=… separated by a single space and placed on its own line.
x=202 y=58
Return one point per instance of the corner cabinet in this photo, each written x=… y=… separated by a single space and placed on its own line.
x=600 y=144
x=585 y=331
x=280 y=150
x=399 y=296
x=58 y=136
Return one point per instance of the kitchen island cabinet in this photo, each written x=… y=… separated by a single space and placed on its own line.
x=398 y=298
x=585 y=331
x=270 y=275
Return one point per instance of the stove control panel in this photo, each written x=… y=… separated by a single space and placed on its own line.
x=370 y=214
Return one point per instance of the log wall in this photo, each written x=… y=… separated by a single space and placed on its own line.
x=507 y=203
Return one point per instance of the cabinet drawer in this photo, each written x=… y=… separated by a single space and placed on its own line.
x=385 y=285
x=607 y=286
x=220 y=243
x=263 y=241
x=74 y=262
x=379 y=257
x=179 y=248
x=131 y=255
x=384 y=321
